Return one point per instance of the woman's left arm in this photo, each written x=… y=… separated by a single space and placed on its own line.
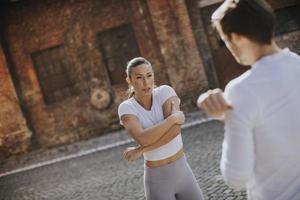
x=170 y=106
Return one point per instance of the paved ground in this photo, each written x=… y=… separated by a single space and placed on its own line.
x=46 y=156
x=105 y=175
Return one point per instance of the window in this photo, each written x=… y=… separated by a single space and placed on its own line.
x=117 y=45
x=287 y=20
x=52 y=69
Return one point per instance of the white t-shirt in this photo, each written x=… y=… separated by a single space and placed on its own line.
x=149 y=118
x=262 y=133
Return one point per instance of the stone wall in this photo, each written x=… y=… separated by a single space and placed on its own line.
x=64 y=108
x=14 y=134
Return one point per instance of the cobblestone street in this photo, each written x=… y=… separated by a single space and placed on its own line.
x=70 y=69
x=105 y=175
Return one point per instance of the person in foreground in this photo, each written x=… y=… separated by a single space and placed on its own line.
x=152 y=118
x=260 y=108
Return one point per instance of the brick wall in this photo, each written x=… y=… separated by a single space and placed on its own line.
x=178 y=48
x=14 y=134
x=74 y=25
x=39 y=33
x=63 y=52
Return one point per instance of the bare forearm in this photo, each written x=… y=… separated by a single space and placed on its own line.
x=167 y=137
x=154 y=133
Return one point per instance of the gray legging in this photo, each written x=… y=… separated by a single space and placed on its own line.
x=174 y=181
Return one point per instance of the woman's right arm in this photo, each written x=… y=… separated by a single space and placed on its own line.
x=148 y=136
x=172 y=105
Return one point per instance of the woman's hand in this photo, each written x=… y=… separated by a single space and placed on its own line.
x=177 y=115
x=132 y=153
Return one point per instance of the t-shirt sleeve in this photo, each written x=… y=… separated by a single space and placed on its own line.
x=165 y=92
x=125 y=109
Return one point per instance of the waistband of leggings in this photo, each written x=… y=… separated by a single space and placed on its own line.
x=159 y=163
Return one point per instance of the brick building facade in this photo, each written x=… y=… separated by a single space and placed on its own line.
x=62 y=62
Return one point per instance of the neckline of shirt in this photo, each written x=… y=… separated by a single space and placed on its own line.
x=139 y=105
x=271 y=57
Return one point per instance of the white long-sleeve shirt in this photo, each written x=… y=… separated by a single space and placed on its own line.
x=261 y=147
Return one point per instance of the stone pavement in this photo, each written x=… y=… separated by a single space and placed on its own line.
x=104 y=175
x=80 y=148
